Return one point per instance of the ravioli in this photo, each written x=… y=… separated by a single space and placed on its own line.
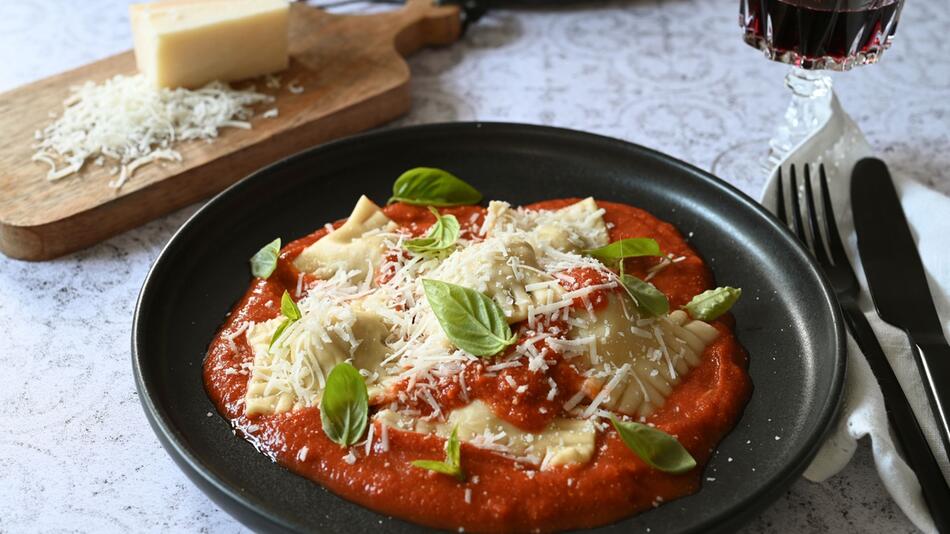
x=290 y=372
x=637 y=361
x=574 y=228
x=562 y=442
x=505 y=270
x=355 y=246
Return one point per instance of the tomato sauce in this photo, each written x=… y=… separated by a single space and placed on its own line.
x=499 y=494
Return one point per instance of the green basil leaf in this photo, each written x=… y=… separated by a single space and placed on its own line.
x=437 y=466
x=453 y=450
x=280 y=330
x=471 y=320
x=289 y=308
x=453 y=459
x=626 y=248
x=426 y=186
x=650 y=300
x=291 y=313
x=441 y=235
x=264 y=261
x=712 y=303
x=655 y=447
x=344 y=407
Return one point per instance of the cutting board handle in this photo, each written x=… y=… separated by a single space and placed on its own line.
x=425 y=24
x=416 y=24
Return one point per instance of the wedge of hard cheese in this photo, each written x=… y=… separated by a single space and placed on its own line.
x=188 y=43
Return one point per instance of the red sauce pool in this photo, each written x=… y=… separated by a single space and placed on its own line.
x=504 y=496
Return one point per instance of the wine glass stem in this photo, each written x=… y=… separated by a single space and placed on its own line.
x=809 y=108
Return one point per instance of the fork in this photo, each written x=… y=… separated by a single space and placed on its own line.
x=837 y=268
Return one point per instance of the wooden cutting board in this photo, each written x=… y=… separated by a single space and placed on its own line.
x=354 y=78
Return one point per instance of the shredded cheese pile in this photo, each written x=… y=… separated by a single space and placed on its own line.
x=130 y=122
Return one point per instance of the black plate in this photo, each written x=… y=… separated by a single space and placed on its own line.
x=786 y=318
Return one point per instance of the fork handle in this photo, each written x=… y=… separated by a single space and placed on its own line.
x=933 y=362
x=901 y=416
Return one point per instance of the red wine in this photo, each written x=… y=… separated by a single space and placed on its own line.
x=830 y=34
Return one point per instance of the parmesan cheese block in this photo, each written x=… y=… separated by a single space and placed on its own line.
x=355 y=246
x=562 y=442
x=188 y=43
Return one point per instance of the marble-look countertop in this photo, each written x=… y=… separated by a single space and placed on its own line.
x=76 y=453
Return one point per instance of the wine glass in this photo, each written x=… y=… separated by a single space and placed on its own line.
x=814 y=36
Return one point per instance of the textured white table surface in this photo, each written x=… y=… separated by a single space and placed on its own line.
x=76 y=453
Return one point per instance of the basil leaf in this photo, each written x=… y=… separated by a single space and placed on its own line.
x=453 y=450
x=471 y=320
x=345 y=405
x=289 y=308
x=441 y=235
x=626 y=248
x=437 y=466
x=712 y=303
x=264 y=262
x=650 y=300
x=280 y=330
x=433 y=187
x=655 y=447
x=453 y=459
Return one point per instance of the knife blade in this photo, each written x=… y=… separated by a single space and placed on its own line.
x=898 y=282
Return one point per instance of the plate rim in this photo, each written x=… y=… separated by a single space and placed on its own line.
x=247 y=510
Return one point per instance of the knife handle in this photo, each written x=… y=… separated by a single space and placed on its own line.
x=911 y=439
x=933 y=361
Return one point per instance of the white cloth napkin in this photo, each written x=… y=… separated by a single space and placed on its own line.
x=928 y=213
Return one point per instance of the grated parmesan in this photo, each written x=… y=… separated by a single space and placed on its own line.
x=419 y=357
x=126 y=120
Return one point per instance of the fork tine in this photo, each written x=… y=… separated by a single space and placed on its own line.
x=838 y=254
x=782 y=216
x=818 y=245
x=796 y=209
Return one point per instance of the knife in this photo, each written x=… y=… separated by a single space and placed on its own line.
x=898 y=283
